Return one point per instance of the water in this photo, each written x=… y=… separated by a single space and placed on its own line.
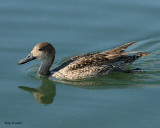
x=76 y=27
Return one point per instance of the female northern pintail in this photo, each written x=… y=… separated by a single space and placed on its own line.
x=82 y=66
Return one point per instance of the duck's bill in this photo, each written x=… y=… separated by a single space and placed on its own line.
x=27 y=59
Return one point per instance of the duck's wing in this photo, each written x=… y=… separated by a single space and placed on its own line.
x=120 y=49
x=116 y=61
x=110 y=54
x=71 y=60
x=88 y=61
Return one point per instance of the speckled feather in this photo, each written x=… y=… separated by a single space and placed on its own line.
x=95 y=64
x=90 y=58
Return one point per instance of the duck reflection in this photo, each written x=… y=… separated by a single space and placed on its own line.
x=45 y=93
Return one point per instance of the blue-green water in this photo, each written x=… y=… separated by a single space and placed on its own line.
x=76 y=27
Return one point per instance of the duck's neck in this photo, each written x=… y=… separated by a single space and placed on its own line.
x=45 y=66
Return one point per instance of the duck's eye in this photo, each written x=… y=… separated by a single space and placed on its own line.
x=40 y=49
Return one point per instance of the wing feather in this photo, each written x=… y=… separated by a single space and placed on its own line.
x=120 y=49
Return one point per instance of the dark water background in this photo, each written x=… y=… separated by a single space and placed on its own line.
x=76 y=27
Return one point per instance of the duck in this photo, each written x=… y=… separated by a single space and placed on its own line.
x=82 y=66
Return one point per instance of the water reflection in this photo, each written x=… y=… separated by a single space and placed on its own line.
x=45 y=93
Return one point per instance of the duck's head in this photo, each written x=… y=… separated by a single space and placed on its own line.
x=43 y=51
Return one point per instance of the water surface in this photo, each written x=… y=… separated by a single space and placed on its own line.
x=75 y=27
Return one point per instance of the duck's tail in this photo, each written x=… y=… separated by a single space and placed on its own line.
x=142 y=54
x=138 y=53
x=129 y=59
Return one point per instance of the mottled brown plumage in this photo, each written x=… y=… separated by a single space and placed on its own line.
x=87 y=65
